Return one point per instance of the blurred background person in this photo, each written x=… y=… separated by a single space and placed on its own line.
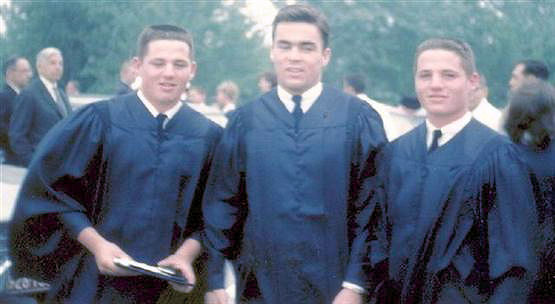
x=355 y=84
x=127 y=76
x=227 y=94
x=408 y=114
x=17 y=73
x=267 y=81
x=72 y=88
x=526 y=70
x=482 y=109
x=39 y=106
x=196 y=100
x=531 y=125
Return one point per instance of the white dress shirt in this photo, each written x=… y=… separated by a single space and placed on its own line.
x=391 y=130
x=309 y=97
x=50 y=86
x=489 y=115
x=150 y=107
x=448 y=131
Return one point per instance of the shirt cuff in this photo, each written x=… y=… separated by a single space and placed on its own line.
x=353 y=287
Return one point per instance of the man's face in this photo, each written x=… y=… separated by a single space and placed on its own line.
x=348 y=89
x=442 y=85
x=517 y=77
x=165 y=69
x=196 y=96
x=21 y=73
x=298 y=56
x=51 y=68
x=221 y=98
x=264 y=85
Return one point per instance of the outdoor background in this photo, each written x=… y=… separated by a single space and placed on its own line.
x=373 y=38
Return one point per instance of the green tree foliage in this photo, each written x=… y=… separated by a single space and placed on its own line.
x=96 y=36
x=378 y=38
x=374 y=38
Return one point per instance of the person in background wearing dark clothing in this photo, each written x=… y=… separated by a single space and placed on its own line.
x=127 y=76
x=122 y=178
x=531 y=125
x=17 y=73
x=266 y=82
x=454 y=217
x=526 y=70
x=291 y=173
x=39 y=106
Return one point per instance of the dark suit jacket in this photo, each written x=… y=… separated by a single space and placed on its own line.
x=35 y=113
x=7 y=96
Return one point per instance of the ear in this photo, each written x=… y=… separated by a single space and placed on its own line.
x=474 y=80
x=137 y=63
x=193 y=70
x=326 y=56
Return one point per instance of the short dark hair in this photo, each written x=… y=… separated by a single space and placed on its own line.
x=410 y=102
x=270 y=77
x=535 y=67
x=164 y=32
x=459 y=47
x=356 y=81
x=531 y=114
x=10 y=64
x=306 y=14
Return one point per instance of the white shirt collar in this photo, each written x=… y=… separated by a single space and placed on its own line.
x=50 y=86
x=448 y=131
x=170 y=113
x=228 y=108
x=47 y=83
x=15 y=88
x=309 y=97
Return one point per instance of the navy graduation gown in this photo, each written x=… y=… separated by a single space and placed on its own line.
x=109 y=167
x=448 y=224
x=288 y=202
x=541 y=166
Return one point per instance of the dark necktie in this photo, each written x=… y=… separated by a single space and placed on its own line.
x=435 y=137
x=59 y=102
x=297 y=111
x=161 y=118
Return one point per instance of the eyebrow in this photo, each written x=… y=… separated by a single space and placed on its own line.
x=292 y=42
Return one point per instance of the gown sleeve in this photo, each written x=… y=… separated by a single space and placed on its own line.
x=225 y=204
x=501 y=241
x=194 y=224
x=59 y=195
x=369 y=140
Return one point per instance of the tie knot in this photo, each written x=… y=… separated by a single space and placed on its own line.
x=437 y=134
x=161 y=118
x=435 y=140
x=297 y=99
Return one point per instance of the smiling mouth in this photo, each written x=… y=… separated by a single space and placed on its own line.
x=167 y=86
x=435 y=97
x=294 y=70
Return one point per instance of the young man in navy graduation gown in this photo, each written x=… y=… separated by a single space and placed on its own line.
x=121 y=178
x=284 y=195
x=454 y=215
